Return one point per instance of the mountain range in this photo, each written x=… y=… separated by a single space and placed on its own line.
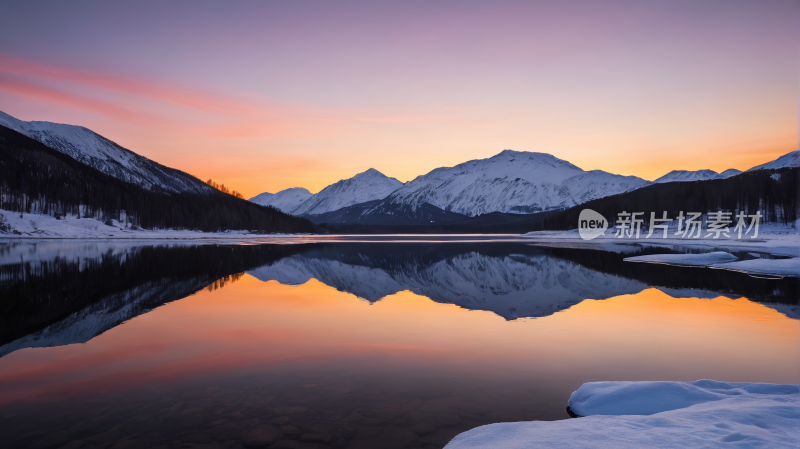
x=511 y=182
x=697 y=175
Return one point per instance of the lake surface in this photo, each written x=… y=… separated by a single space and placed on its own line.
x=354 y=344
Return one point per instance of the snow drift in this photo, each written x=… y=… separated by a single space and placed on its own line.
x=706 y=413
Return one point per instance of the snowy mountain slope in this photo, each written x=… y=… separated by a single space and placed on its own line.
x=595 y=184
x=787 y=160
x=367 y=186
x=511 y=286
x=286 y=200
x=697 y=175
x=687 y=175
x=729 y=172
x=106 y=156
x=508 y=180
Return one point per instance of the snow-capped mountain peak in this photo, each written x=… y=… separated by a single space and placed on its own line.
x=369 y=185
x=286 y=200
x=510 y=181
x=687 y=175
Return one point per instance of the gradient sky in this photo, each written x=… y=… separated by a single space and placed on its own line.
x=264 y=96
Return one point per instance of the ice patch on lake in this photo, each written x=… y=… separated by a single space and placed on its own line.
x=705 y=413
x=775 y=239
x=694 y=260
x=774 y=267
x=719 y=259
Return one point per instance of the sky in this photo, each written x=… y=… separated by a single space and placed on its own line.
x=267 y=95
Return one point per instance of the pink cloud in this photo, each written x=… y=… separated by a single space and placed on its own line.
x=30 y=90
x=161 y=92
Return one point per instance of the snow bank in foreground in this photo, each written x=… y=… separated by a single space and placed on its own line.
x=695 y=260
x=705 y=413
x=648 y=398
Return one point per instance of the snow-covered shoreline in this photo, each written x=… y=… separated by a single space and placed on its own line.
x=773 y=239
x=43 y=226
x=705 y=413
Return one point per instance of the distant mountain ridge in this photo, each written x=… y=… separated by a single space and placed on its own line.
x=697 y=175
x=510 y=182
x=98 y=152
x=285 y=200
x=366 y=186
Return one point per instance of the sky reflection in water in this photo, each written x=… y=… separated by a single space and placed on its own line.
x=396 y=371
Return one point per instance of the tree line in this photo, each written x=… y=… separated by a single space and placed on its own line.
x=772 y=193
x=223 y=189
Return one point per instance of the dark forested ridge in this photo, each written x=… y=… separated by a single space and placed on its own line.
x=36 y=177
x=773 y=193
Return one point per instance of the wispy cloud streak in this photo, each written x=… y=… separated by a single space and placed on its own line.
x=200 y=101
x=50 y=95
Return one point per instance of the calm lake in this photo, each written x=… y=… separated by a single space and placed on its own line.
x=354 y=344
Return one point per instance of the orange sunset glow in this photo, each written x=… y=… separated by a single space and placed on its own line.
x=252 y=324
x=279 y=99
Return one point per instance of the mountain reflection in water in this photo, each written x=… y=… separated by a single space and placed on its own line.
x=195 y=344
